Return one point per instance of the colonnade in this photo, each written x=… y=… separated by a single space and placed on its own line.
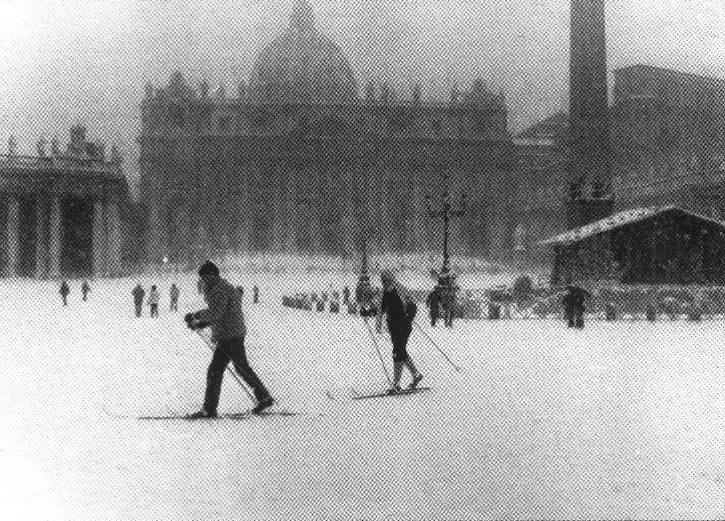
x=50 y=229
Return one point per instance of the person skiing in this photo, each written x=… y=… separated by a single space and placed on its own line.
x=138 y=295
x=400 y=311
x=85 y=288
x=154 y=298
x=573 y=303
x=226 y=318
x=64 y=292
x=174 y=298
x=433 y=302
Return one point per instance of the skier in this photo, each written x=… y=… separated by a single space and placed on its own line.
x=433 y=302
x=174 y=298
x=255 y=289
x=573 y=303
x=224 y=315
x=64 y=292
x=154 y=302
x=138 y=295
x=400 y=311
x=85 y=288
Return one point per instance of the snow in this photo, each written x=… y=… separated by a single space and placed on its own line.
x=620 y=420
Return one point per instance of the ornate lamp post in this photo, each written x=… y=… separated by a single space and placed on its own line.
x=446 y=212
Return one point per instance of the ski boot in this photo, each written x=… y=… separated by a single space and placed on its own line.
x=202 y=414
x=264 y=403
x=395 y=389
x=416 y=380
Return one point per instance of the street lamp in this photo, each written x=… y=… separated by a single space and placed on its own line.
x=363 y=291
x=446 y=212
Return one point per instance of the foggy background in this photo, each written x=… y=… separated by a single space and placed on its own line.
x=69 y=61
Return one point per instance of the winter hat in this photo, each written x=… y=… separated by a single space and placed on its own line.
x=387 y=275
x=208 y=268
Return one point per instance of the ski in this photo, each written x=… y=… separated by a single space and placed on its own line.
x=230 y=416
x=402 y=392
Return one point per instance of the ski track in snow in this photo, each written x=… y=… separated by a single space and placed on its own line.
x=619 y=420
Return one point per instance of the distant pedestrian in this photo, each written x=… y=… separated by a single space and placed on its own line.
x=433 y=301
x=346 y=295
x=400 y=311
x=138 y=295
x=255 y=290
x=448 y=302
x=154 y=298
x=573 y=303
x=86 y=289
x=64 y=292
x=174 y=298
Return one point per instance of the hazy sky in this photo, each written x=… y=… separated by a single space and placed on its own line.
x=64 y=61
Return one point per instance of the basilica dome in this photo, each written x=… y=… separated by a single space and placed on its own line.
x=302 y=66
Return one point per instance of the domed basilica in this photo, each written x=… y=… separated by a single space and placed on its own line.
x=299 y=160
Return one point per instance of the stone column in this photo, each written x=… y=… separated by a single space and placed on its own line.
x=41 y=237
x=99 y=240
x=157 y=244
x=12 y=238
x=113 y=245
x=280 y=208
x=291 y=202
x=56 y=238
x=348 y=227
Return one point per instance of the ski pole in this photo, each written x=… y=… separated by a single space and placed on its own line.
x=377 y=349
x=436 y=346
x=208 y=344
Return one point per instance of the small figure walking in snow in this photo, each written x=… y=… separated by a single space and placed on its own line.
x=64 y=292
x=138 y=295
x=400 y=311
x=226 y=318
x=154 y=298
x=573 y=303
x=86 y=289
x=174 y=298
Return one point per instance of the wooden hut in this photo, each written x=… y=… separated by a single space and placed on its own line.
x=655 y=245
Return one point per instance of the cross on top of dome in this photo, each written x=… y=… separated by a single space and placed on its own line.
x=302 y=18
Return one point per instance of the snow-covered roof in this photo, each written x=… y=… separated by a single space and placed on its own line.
x=617 y=221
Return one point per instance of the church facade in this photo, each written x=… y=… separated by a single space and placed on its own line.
x=301 y=159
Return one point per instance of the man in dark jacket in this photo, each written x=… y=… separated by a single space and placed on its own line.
x=85 y=288
x=433 y=302
x=400 y=312
x=224 y=315
x=573 y=303
x=138 y=295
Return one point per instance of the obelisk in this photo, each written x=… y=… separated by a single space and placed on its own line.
x=590 y=197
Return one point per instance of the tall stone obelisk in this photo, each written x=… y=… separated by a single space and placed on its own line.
x=590 y=197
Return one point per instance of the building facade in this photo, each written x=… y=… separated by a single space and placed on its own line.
x=668 y=148
x=61 y=213
x=299 y=160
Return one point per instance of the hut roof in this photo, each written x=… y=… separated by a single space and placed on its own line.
x=619 y=220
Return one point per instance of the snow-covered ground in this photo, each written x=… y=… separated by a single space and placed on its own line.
x=621 y=420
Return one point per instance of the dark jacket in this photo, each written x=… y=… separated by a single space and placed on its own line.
x=138 y=294
x=64 y=289
x=574 y=299
x=399 y=313
x=224 y=312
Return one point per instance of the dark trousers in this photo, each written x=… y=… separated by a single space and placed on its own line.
x=448 y=313
x=154 y=310
x=65 y=300
x=399 y=338
x=139 y=308
x=575 y=318
x=231 y=349
x=433 y=319
x=174 y=305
